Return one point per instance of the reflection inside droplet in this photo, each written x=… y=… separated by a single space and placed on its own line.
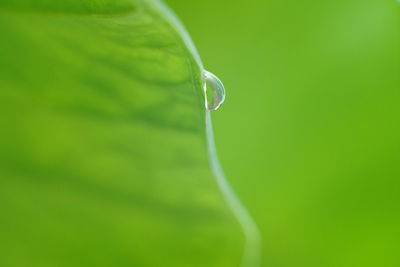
x=214 y=91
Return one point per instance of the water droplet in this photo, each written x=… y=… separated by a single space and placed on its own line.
x=214 y=91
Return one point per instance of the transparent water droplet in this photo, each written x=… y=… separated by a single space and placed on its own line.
x=214 y=91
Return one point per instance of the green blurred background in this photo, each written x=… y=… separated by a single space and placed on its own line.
x=309 y=134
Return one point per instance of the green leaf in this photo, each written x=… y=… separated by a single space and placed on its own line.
x=103 y=157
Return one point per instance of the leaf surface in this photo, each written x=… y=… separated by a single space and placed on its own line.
x=103 y=158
